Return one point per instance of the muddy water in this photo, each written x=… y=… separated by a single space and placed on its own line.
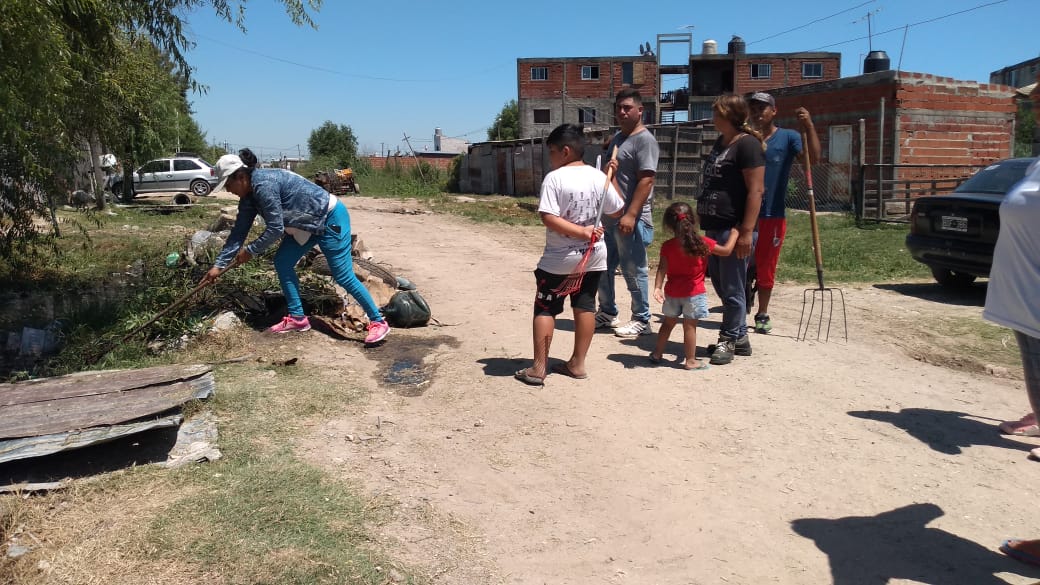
x=405 y=364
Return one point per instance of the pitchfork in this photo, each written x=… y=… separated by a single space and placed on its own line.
x=822 y=295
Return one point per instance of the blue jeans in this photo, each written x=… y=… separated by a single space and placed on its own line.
x=628 y=251
x=335 y=244
x=729 y=279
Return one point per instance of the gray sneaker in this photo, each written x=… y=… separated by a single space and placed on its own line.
x=633 y=329
x=607 y=321
x=723 y=353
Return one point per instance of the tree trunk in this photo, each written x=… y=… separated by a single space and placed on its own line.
x=99 y=176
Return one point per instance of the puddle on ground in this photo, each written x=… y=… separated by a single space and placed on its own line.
x=404 y=362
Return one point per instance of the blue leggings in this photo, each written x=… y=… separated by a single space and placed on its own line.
x=335 y=244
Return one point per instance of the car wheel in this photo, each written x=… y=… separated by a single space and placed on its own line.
x=952 y=279
x=118 y=192
x=200 y=188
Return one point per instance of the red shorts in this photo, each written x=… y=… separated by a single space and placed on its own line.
x=771 y=232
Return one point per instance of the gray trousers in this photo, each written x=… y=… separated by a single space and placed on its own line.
x=729 y=279
x=1030 y=348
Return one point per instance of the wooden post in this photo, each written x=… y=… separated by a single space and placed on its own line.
x=675 y=162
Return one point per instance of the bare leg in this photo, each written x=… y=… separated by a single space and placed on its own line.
x=667 y=324
x=544 y=325
x=764 y=294
x=690 y=342
x=584 y=329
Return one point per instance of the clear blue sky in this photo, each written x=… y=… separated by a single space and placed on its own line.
x=392 y=68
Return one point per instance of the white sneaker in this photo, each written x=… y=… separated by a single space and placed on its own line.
x=633 y=329
x=606 y=320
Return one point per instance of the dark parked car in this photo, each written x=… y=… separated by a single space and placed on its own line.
x=954 y=234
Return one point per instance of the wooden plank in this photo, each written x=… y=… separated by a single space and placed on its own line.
x=80 y=412
x=29 y=447
x=95 y=383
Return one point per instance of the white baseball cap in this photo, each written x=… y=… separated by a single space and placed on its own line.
x=226 y=166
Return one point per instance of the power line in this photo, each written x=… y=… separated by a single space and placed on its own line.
x=813 y=22
x=905 y=26
x=341 y=73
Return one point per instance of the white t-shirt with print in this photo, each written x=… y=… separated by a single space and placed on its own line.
x=573 y=193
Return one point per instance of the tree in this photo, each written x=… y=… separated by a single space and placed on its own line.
x=78 y=72
x=333 y=144
x=1025 y=126
x=507 y=123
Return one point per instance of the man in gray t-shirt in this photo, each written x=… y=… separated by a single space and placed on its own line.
x=628 y=237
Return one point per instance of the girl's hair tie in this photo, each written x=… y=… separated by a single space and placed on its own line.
x=680 y=216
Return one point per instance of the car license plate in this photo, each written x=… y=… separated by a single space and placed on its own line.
x=954 y=223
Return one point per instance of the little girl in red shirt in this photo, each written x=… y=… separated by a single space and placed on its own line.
x=683 y=260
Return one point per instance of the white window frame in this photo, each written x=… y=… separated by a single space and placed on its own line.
x=544 y=74
x=587 y=72
x=758 y=68
x=814 y=65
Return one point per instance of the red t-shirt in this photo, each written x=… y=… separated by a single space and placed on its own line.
x=685 y=277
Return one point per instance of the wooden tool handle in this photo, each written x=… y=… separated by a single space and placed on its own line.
x=817 y=251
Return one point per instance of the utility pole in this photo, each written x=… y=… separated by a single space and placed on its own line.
x=417 y=163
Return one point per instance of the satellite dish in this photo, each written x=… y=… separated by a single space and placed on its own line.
x=641 y=49
x=648 y=46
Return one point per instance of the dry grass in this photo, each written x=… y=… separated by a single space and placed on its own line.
x=258 y=515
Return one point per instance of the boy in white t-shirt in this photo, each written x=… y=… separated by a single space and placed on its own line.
x=570 y=202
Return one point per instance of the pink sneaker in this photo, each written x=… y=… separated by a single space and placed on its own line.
x=377 y=331
x=290 y=323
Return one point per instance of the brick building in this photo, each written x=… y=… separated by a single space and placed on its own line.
x=907 y=122
x=737 y=71
x=552 y=91
x=924 y=119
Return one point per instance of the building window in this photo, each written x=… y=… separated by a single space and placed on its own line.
x=700 y=111
x=589 y=72
x=812 y=70
x=586 y=115
x=539 y=73
x=541 y=116
x=626 y=74
x=761 y=71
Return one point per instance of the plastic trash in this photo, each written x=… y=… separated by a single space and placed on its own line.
x=172 y=259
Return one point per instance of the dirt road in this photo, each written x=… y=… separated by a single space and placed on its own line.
x=806 y=463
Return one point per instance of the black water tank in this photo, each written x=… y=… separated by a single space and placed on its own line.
x=736 y=46
x=876 y=61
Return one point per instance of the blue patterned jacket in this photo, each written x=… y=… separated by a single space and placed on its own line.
x=284 y=199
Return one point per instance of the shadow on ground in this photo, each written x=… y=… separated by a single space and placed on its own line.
x=972 y=296
x=138 y=449
x=874 y=550
x=502 y=367
x=945 y=431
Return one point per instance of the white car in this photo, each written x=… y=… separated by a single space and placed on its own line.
x=172 y=174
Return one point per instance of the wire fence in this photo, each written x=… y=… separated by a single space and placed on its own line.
x=833 y=187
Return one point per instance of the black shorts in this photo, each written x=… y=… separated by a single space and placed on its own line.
x=547 y=302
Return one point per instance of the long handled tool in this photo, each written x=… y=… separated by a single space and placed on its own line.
x=821 y=295
x=174 y=305
x=572 y=283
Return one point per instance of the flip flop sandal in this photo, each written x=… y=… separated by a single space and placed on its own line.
x=1018 y=429
x=1019 y=555
x=528 y=379
x=700 y=366
x=563 y=369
